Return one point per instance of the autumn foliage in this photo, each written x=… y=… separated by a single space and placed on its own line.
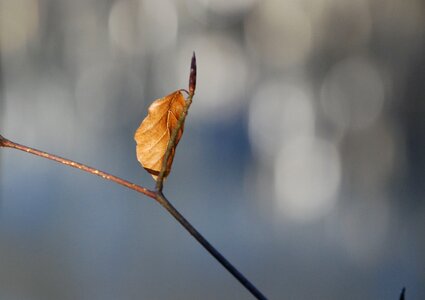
x=154 y=133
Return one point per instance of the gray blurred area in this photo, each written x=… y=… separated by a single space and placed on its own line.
x=303 y=158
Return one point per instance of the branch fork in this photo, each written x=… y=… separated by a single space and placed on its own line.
x=156 y=194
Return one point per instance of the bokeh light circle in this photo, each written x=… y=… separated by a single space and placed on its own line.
x=143 y=26
x=19 y=23
x=280 y=33
x=352 y=94
x=307 y=178
x=280 y=110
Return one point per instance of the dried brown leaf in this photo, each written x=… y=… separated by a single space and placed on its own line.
x=154 y=133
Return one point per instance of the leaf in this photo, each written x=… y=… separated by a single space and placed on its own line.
x=154 y=133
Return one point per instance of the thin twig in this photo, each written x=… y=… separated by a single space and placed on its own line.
x=7 y=143
x=156 y=195
x=223 y=261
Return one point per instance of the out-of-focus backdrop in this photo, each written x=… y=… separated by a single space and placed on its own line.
x=302 y=159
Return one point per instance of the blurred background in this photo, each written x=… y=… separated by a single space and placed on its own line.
x=302 y=159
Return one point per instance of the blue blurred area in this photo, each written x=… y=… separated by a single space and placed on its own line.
x=302 y=158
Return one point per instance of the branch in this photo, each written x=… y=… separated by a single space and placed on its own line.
x=9 y=144
x=157 y=195
x=217 y=255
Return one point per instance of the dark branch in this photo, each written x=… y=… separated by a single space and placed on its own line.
x=157 y=195
x=217 y=255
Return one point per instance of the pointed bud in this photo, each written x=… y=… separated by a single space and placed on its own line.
x=192 y=77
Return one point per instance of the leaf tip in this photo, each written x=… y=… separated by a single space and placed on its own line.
x=2 y=141
x=192 y=77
